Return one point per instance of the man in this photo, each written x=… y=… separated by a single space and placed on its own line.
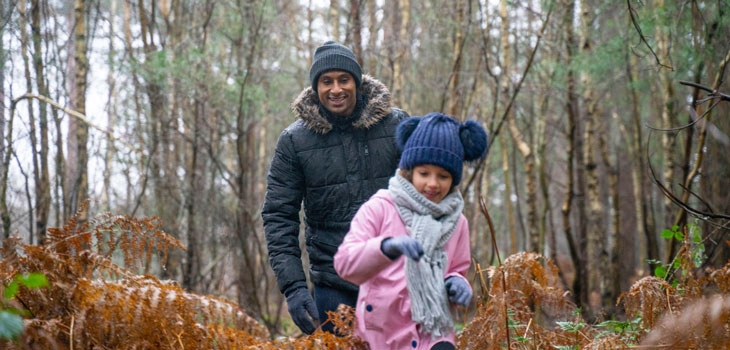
x=338 y=152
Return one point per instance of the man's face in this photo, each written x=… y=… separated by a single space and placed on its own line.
x=337 y=92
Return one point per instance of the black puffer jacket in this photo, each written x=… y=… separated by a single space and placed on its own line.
x=333 y=169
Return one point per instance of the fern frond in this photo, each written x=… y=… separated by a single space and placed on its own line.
x=649 y=298
x=702 y=324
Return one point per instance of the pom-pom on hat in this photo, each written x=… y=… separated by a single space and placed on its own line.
x=440 y=140
x=334 y=56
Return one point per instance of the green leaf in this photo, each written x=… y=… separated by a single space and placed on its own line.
x=667 y=234
x=33 y=280
x=613 y=325
x=696 y=236
x=11 y=325
x=11 y=290
x=570 y=327
x=679 y=235
x=660 y=271
x=522 y=339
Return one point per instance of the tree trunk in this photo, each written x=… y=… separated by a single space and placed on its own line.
x=42 y=177
x=399 y=44
x=533 y=243
x=134 y=200
x=111 y=116
x=5 y=145
x=373 y=40
x=595 y=237
x=163 y=162
x=611 y=278
x=644 y=218
x=252 y=285
x=667 y=111
x=80 y=188
x=356 y=31
x=452 y=101
x=334 y=19
x=571 y=106
x=511 y=225
x=25 y=44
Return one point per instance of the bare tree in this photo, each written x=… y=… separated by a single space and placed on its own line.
x=644 y=217
x=334 y=19
x=398 y=49
x=40 y=165
x=79 y=190
x=5 y=124
x=373 y=27
x=356 y=29
x=452 y=101
x=571 y=108
x=596 y=237
x=668 y=110
x=112 y=103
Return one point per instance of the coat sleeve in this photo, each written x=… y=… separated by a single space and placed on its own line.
x=359 y=257
x=280 y=214
x=460 y=251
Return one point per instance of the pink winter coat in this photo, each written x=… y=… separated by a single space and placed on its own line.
x=383 y=305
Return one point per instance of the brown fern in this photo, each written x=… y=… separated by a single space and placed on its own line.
x=721 y=279
x=97 y=299
x=701 y=324
x=533 y=300
x=344 y=322
x=649 y=298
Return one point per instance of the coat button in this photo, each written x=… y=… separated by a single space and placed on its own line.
x=414 y=343
x=369 y=307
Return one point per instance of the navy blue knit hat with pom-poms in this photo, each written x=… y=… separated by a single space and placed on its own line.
x=440 y=140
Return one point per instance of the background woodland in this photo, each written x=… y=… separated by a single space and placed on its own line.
x=608 y=125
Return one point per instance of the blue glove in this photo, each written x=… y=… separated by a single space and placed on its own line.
x=458 y=290
x=302 y=309
x=396 y=246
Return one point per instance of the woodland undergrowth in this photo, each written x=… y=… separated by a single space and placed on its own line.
x=96 y=300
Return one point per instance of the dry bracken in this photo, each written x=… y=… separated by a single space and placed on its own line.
x=100 y=297
x=95 y=302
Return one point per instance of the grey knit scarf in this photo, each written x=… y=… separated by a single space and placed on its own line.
x=432 y=225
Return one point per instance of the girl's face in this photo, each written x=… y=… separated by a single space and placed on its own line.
x=432 y=181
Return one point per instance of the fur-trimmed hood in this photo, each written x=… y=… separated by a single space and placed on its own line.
x=306 y=106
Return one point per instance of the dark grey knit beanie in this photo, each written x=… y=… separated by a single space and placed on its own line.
x=334 y=56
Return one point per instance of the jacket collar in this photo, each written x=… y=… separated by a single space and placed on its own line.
x=306 y=107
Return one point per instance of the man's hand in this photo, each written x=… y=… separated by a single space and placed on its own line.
x=402 y=245
x=458 y=290
x=302 y=309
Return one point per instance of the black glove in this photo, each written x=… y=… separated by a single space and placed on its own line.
x=396 y=246
x=458 y=290
x=302 y=309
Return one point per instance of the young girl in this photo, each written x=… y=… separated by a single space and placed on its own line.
x=408 y=246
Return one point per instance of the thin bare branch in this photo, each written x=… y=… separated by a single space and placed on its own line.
x=641 y=35
x=698 y=213
x=713 y=92
x=70 y=112
x=507 y=109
